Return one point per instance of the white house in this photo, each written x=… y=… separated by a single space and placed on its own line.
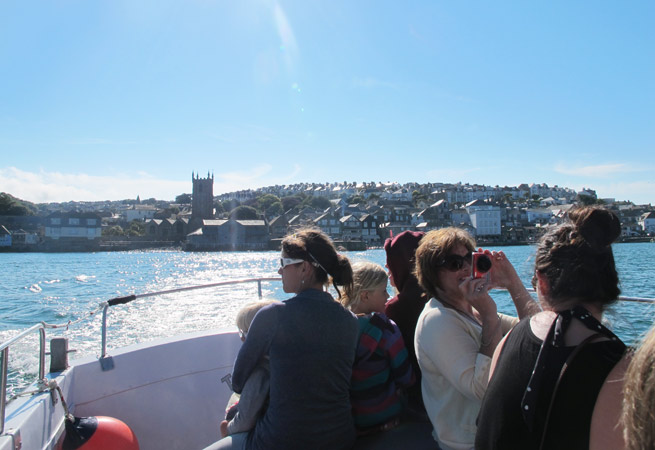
x=22 y=237
x=370 y=230
x=351 y=228
x=329 y=224
x=5 y=237
x=485 y=218
x=541 y=215
x=75 y=224
x=139 y=212
x=459 y=217
x=647 y=222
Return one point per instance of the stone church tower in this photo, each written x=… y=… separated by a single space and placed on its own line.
x=202 y=200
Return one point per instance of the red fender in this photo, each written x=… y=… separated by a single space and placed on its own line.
x=99 y=433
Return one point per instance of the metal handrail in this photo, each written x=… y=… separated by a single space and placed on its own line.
x=4 y=347
x=636 y=299
x=620 y=299
x=3 y=386
x=127 y=299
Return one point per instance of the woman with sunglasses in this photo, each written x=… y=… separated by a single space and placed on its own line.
x=459 y=329
x=549 y=370
x=310 y=340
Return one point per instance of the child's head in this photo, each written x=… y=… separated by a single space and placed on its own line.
x=369 y=292
x=247 y=313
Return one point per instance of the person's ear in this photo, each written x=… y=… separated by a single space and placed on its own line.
x=363 y=296
x=543 y=286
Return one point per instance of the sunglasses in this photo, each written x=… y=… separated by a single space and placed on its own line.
x=453 y=263
x=289 y=261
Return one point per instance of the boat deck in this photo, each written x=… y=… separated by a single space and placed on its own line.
x=412 y=435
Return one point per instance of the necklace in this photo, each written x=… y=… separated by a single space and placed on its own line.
x=462 y=313
x=469 y=317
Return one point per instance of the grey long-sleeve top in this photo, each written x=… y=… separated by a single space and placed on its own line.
x=311 y=341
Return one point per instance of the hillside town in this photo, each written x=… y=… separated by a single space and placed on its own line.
x=356 y=215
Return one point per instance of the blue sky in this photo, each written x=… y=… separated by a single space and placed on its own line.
x=114 y=99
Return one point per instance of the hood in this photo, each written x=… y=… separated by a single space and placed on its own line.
x=400 y=256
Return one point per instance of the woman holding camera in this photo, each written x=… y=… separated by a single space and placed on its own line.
x=550 y=368
x=459 y=329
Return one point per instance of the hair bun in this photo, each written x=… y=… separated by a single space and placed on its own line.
x=598 y=226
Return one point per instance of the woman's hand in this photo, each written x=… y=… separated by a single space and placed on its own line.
x=476 y=293
x=223 y=428
x=502 y=273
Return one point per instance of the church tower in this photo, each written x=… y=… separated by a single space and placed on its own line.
x=202 y=202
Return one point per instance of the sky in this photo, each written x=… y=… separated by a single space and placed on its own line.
x=114 y=99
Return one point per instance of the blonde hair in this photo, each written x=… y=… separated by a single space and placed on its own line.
x=639 y=397
x=247 y=313
x=366 y=276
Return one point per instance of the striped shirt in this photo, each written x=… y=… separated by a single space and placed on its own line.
x=382 y=368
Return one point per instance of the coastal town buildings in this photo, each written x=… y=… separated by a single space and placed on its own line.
x=5 y=237
x=369 y=227
x=72 y=230
x=73 y=225
x=351 y=213
x=647 y=222
x=229 y=234
x=139 y=212
x=202 y=206
x=330 y=224
x=484 y=217
x=22 y=238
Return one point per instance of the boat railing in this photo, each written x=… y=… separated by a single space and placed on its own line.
x=621 y=298
x=104 y=360
x=130 y=298
x=4 y=366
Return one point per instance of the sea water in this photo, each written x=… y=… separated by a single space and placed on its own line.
x=58 y=288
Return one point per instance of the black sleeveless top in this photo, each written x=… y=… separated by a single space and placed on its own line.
x=502 y=423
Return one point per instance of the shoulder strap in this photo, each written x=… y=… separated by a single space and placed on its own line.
x=555 y=339
x=567 y=363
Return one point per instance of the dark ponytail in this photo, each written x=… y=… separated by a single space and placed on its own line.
x=342 y=275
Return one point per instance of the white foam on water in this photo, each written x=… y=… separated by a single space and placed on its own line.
x=84 y=278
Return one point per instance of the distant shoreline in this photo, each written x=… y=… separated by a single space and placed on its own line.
x=145 y=245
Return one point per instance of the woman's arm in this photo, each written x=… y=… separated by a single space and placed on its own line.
x=606 y=431
x=476 y=292
x=491 y=334
x=494 y=358
x=252 y=401
x=504 y=275
x=256 y=346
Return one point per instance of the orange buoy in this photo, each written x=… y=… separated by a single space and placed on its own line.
x=99 y=433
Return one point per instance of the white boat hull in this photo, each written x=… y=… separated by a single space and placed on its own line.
x=168 y=391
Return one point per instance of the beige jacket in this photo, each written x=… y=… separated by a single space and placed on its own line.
x=455 y=375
